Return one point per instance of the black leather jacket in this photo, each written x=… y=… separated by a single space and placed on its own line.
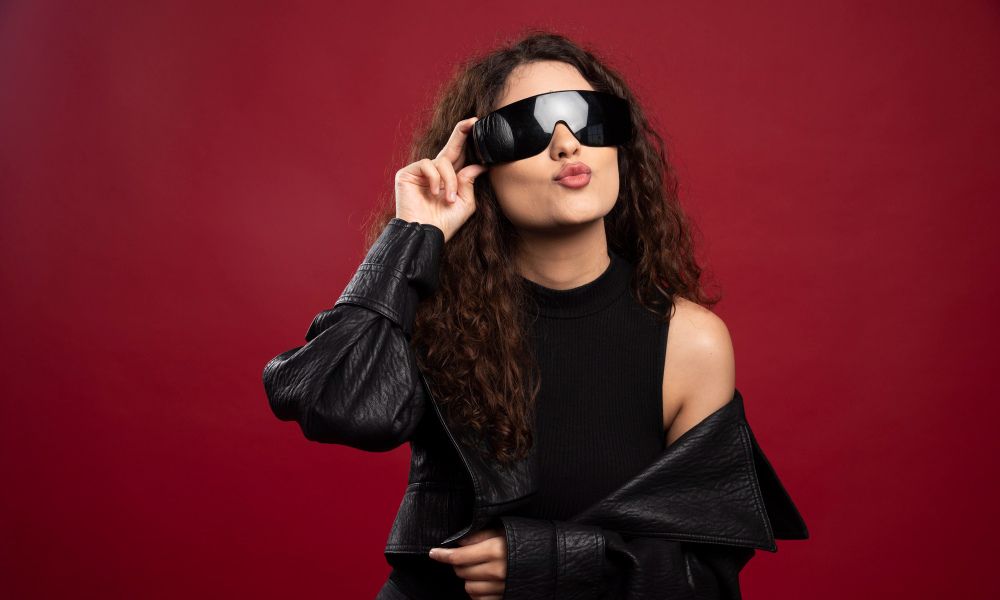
x=682 y=528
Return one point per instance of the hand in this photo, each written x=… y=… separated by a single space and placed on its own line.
x=424 y=188
x=481 y=562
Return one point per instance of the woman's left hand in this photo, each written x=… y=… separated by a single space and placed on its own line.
x=481 y=562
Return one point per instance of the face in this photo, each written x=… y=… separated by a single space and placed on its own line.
x=526 y=190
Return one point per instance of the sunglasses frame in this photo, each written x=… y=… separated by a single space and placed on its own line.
x=615 y=120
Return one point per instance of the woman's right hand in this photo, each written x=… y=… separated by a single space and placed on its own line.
x=439 y=192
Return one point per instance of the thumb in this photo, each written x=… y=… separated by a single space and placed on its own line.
x=467 y=177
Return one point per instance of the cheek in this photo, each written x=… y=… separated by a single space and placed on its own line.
x=527 y=195
x=519 y=186
x=611 y=182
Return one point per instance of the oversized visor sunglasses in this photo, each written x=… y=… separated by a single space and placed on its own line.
x=522 y=129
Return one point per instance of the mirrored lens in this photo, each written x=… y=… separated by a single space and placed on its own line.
x=524 y=128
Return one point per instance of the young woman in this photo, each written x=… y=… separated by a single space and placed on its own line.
x=530 y=318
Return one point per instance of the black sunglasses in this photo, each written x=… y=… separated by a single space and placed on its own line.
x=523 y=128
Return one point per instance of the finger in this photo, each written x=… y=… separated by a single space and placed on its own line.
x=466 y=555
x=467 y=179
x=426 y=168
x=454 y=148
x=483 y=589
x=448 y=178
x=482 y=534
x=473 y=538
x=493 y=570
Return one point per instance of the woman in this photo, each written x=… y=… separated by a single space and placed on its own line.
x=543 y=292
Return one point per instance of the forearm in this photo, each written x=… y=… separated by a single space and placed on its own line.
x=562 y=560
x=355 y=381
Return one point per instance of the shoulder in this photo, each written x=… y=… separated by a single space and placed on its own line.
x=699 y=373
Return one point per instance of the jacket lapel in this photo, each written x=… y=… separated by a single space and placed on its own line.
x=713 y=484
x=497 y=488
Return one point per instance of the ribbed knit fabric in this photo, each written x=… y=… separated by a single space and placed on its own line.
x=599 y=416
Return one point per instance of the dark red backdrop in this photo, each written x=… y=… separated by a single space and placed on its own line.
x=182 y=189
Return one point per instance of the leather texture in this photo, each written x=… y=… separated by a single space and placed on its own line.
x=686 y=524
x=682 y=528
x=355 y=382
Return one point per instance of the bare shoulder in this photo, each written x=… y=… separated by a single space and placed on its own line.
x=699 y=373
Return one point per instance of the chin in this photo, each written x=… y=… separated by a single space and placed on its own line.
x=582 y=207
x=583 y=216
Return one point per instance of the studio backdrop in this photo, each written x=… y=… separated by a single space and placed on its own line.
x=183 y=186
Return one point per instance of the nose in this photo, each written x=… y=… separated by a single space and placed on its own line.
x=563 y=142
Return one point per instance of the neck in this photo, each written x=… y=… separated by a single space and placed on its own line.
x=589 y=297
x=564 y=260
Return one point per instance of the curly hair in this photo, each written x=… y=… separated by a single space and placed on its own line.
x=470 y=337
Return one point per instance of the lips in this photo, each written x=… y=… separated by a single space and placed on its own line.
x=570 y=169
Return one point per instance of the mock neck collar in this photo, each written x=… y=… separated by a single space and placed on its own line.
x=584 y=299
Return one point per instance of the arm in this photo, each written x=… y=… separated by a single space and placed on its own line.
x=562 y=560
x=355 y=381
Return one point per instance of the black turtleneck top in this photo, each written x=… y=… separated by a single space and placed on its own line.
x=599 y=413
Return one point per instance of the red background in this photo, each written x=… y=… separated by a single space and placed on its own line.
x=182 y=190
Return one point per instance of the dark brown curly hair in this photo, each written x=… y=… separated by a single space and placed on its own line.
x=470 y=337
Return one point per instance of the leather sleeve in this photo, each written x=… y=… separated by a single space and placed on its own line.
x=355 y=381
x=563 y=560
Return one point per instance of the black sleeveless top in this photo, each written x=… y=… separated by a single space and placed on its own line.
x=599 y=413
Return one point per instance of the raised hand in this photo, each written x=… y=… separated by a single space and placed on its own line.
x=440 y=191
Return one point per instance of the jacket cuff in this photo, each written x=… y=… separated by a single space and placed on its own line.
x=552 y=559
x=399 y=270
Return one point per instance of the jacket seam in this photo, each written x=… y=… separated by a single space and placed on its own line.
x=514 y=501
x=374 y=266
x=354 y=298
x=442 y=483
x=599 y=551
x=411 y=404
x=513 y=553
x=687 y=536
x=751 y=476
x=560 y=536
x=391 y=547
x=476 y=490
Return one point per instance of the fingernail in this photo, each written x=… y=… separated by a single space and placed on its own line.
x=453 y=196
